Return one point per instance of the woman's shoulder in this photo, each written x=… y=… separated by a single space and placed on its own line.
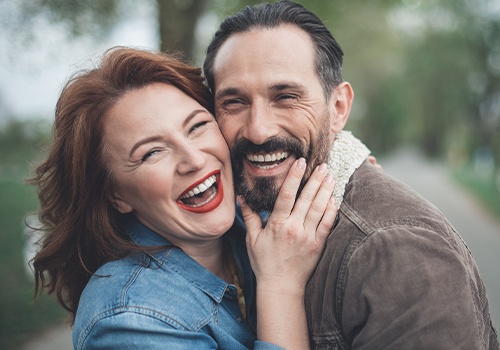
x=159 y=289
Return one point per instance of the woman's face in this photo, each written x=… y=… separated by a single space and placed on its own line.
x=170 y=164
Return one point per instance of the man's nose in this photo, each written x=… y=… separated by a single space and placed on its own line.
x=191 y=158
x=261 y=124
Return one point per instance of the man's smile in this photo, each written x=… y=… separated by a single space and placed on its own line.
x=267 y=160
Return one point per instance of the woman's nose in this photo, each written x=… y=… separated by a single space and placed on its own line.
x=191 y=158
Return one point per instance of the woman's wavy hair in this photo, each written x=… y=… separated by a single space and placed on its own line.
x=80 y=226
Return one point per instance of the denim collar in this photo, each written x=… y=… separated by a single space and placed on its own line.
x=173 y=258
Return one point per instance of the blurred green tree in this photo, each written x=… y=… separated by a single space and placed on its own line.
x=426 y=72
x=453 y=72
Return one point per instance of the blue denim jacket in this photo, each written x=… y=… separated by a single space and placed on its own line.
x=166 y=300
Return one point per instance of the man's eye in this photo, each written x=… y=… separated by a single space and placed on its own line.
x=287 y=97
x=231 y=102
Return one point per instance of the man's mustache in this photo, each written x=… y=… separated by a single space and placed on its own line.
x=244 y=146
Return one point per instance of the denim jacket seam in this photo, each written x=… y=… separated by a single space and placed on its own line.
x=123 y=301
x=133 y=277
x=217 y=298
x=159 y=257
x=154 y=314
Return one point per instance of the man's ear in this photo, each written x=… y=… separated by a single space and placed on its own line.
x=120 y=205
x=340 y=106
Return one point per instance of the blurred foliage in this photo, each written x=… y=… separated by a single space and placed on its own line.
x=424 y=72
x=81 y=17
x=20 y=141
x=21 y=318
x=177 y=24
x=484 y=185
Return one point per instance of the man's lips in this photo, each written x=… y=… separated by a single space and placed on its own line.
x=267 y=160
x=203 y=196
x=267 y=164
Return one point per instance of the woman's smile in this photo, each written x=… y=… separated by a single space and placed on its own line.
x=203 y=196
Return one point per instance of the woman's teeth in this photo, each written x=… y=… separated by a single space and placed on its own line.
x=202 y=187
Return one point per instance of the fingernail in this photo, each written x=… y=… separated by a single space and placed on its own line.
x=301 y=163
x=332 y=200
x=322 y=168
x=240 y=200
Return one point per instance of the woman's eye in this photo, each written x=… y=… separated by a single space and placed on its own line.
x=198 y=125
x=149 y=154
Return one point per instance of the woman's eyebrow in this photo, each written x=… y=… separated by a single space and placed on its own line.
x=192 y=115
x=159 y=137
x=144 y=141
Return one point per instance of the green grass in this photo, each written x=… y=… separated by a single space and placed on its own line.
x=21 y=318
x=483 y=187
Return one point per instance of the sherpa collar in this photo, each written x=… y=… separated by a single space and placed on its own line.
x=346 y=155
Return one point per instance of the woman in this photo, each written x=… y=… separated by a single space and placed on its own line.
x=138 y=207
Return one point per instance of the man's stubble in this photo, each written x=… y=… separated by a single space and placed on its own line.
x=261 y=194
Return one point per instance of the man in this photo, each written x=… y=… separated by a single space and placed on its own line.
x=394 y=274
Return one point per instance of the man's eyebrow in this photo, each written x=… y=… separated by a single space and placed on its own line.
x=280 y=86
x=227 y=92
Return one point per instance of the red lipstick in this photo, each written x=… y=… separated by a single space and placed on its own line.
x=213 y=203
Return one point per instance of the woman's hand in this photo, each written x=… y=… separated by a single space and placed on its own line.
x=285 y=253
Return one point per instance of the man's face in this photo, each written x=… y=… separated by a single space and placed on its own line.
x=271 y=109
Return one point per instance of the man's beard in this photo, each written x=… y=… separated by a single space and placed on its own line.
x=261 y=195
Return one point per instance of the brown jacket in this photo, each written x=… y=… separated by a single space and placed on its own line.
x=395 y=275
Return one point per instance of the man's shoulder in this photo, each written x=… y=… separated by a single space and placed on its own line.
x=376 y=197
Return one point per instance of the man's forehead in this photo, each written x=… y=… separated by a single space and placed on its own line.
x=280 y=52
x=263 y=41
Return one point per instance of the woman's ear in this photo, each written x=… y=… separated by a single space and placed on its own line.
x=340 y=106
x=120 y=205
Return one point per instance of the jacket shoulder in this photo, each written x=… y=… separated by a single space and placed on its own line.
x=138 y=285
x=377 y=199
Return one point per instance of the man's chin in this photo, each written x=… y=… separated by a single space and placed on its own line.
x=261 y=195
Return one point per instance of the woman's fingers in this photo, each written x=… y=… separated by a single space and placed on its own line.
x=288 y=192
x=313 y=199
x=310 y=207
x=253 y=221
x=320 y=205
x=327 y=221
x=286 y=251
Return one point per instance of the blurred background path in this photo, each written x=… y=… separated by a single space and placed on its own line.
x=479 y=229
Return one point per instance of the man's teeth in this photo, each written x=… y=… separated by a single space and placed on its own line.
x=205 y=185
x=273 y=157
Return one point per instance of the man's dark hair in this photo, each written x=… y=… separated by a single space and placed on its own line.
x=328 y=51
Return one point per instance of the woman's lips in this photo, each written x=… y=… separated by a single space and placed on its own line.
x=203 y=196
